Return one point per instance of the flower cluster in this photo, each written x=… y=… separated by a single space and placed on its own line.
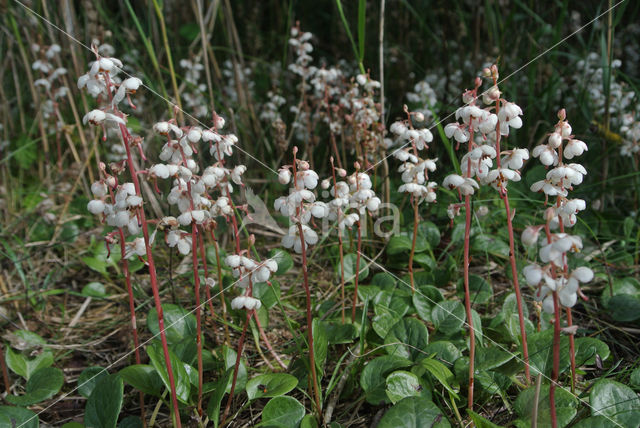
x=486 y=125
x=194 y=98
x=414 y=169
x=555 y=276
x=300 y=205
x=246 y=269
x=49 y=82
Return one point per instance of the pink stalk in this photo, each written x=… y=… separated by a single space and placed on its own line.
x=512 y=254
x=152 y=274
x=312 y=360
x=340 y=243
x=355 y=290
x=196 y=286
x=414 y=203
x=235 y=370
x=203 y=256
x=5 y=372
x=556 y=360
x=132 y=310
x=467 y=294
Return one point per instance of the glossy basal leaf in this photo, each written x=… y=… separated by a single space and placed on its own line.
x=414 y=412
x=444 y=351
x=490 y=244
x=616 y=401
x=492 y=357
x=268 y=294
x=596 y=422
x=229 y=356
x=399 y=244
x=407 y=338
x=42 y=385
x=479 y=289
x=144 y=378
x=309 y=421
x=425 y=260
x=448 y=317
x=384 y=320
x=181 y=379
x=339 y=333
x=620 y=286
x=283 y=411
x=384 y=281
x=373 y=376
x=130 y=422
x=350 y=268
x=586 y=349
x=566 y=406
x=624 y=307
x=88 y=379
x=441 y=373
x=94 y=289
x=24 y=365
x=283 y=258
x=104 y=404
x=541 y=352
x=424 y=299
x=179 y=323
x=430 y=232
x=270 y=385
x=18 y=417
x=401 y=384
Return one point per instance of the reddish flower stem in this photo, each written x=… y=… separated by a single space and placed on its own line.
x=237 y=366
x=467 y=294
x=5 y=372
x=203 y=257
x=196 y=286
x=413 y=242
x=152 y=275
x=340 y=243
x=355 y=290
x=572 y=351
x=556 y=360
x=303 y=249
x=512 y=254
x=132 y=309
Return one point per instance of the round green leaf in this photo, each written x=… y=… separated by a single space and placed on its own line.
x=587 y=348
x=634 y=380
x=350 y=268
x=18 y=416
x=479 y=289
x=448 y=317
x=283 y=258
x=399 y=244
x=88 y=379
x=624 y=307
x=270 y=385
x=414 y=412
x=144 y=378
x=407 y=338
x=616 y=401
x=44 y=384
x=401 y=384
x=384 y=281
x=283 y=412
x=372 y=378
x=566 y=406
x=268 y=294
x=178 y=322
x=444 y=351
x=430 y=232
x=94 y=289
x=104 y=403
